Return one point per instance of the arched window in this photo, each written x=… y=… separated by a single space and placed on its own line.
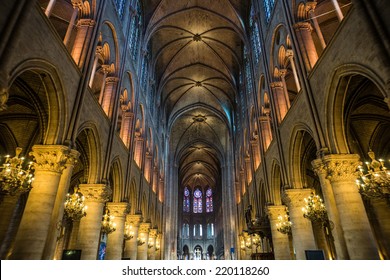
x=255 y=39
x=209 y=200
x=120 y=5
x=135 y=31
x=186 y=200
x=198 y=201
x=268 y=7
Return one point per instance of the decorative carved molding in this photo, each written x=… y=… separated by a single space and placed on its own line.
x=303 y=26
x=342 y=167
x=319 y=168
x=72 y=158
x=144 y=228
x=153 y=233
x=118 y=209
x=295 y=197
x=274 y=212
x=134 y=220
x=50 y=157
x=96 y=192
x=3 y=98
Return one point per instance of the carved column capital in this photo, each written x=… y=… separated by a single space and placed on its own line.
x=112 y=80
x=118 y=209
x=96 y=192
x=134 y=220
x=305 y=26
x=85 y=22
x=319 y=168
x=144 y=228
x=295 y=197
x=153 y=233
x=50 y=157
x=276 y=85
x=72 y=157
x=274 y=212
x=3 y=98
x=342 y=167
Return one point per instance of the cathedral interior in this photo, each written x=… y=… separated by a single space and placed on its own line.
x=195 y=130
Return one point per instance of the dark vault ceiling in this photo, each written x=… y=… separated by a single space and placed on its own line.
x=196 y=50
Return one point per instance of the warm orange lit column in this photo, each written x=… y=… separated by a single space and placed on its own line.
x=304 y=30
x=35 y=224
x=115 y=240
x=7 y=208
x=302 y=232
x=131 y=244
x=109 y=95
x=280 y=100
x=342 y=173
x=125 y=132
x=90 y=226
x=280 y=241
x=83 y=36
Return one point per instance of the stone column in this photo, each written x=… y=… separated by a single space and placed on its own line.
x=266 y=134
x=333 y=213
x=305 y=39
x=115 y=239
x=90 y=226
x=143 y=236
x=255 y=151
x=50 y=7
x=81 y=43
x=35 y=224
x=380 y=208
x=125 y=132
x=280 y=100
x=280 y=241
x=109 y=95
x=131 y=244
x=158 y=244
x=152 y=244
x=58 y=211
x=77 y=4
x=302 y=232
x=290 y=56
x=310 y=6
x=342 y=173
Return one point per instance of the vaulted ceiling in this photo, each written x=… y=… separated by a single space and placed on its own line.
x=196 y=49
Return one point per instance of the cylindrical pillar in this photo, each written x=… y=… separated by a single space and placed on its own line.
x=143 y=237
x=152 y=244
x=115 y=239
x=342 y=173
x=302 y=232
x=131 y=244
x=333 y=213
x=305 y=38
x=280 y=241
x=58 y=211
x=83 y=36
x=35 y=224
x=90 y=226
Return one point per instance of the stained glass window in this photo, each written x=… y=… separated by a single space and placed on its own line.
x=255 y=36
x=198 y=201
x=186 y=200
x=268 y=7
x=135 y=31
x=120 y=5
x=209 y=200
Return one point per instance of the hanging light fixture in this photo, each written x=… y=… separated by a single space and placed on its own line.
x=284 y=225
x=108 y=226
x=374 y=181
x=150 y=243
x=314 y=209
x=75 y=209
x=14 y=178
x=129 y=232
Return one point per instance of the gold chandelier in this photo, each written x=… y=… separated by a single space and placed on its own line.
x=14 y=178
x=284 y=224
x=374 y=182
x=108 y=226
x=129 y=232
x=315 y=209
x=74 y=206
